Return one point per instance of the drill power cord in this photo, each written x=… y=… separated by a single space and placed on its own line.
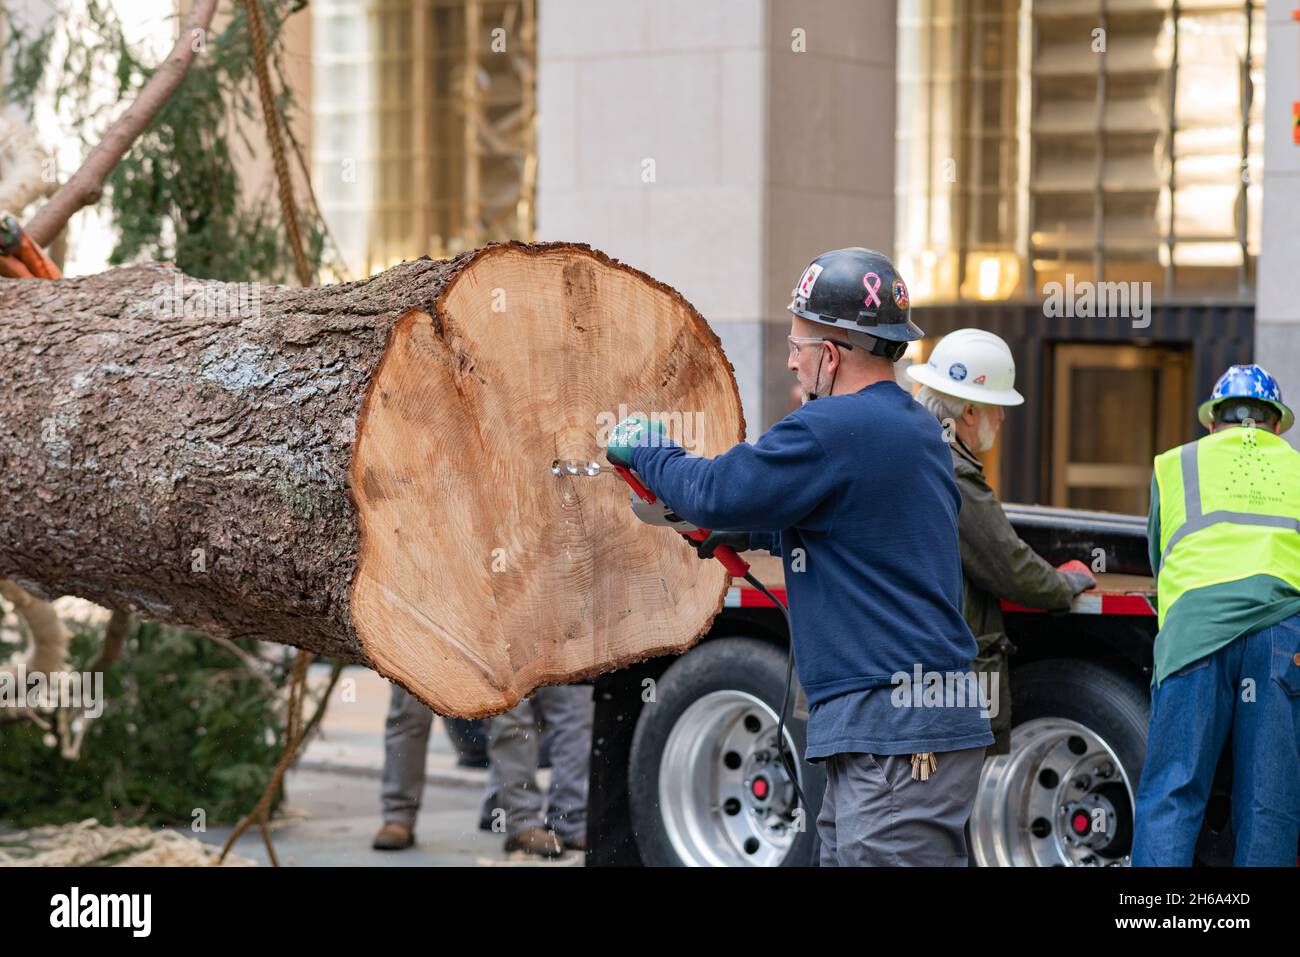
x=786 y=758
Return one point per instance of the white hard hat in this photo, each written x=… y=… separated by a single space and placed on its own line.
x=971 y=364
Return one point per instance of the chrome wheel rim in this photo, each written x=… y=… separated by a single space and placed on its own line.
x=1061 y=798
x=725 y=797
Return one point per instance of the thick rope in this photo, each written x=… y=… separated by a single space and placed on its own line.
x=261 y=812
x=272 y=118
x=295 y=734
x=89 y=843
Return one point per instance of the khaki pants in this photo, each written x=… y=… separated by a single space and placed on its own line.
x=406 y=746
x=567 y=713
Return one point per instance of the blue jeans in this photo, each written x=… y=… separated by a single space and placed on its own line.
x=1249 y=690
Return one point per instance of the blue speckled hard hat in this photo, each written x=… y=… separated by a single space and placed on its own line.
x=1246 y=382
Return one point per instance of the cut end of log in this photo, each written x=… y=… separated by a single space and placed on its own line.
x=482 y=574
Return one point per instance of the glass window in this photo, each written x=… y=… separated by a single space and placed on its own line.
x=424 y=139
x=1115 y=141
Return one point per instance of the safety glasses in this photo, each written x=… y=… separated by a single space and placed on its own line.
x=797 y=341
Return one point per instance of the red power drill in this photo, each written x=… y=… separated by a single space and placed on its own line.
x=654 y=512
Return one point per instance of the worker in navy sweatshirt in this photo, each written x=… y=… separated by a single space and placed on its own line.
x=855 y=491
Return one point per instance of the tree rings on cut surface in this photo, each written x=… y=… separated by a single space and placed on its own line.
x=482 y=574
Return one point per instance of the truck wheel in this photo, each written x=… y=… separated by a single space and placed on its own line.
x=1064 y=795
x=706 y=784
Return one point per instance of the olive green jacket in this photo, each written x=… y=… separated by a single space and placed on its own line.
x=997 y=564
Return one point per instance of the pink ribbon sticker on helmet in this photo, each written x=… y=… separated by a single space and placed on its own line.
x=872 y=291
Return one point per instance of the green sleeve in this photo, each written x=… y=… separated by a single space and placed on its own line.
x=997 y=560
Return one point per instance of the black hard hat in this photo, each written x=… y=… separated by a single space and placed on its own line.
x=859 y=290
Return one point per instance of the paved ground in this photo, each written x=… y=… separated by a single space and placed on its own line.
x=333 y=795
x=331 y=817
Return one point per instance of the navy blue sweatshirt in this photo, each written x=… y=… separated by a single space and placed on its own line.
x=862 y=490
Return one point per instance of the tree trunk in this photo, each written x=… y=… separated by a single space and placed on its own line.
x=363 y=470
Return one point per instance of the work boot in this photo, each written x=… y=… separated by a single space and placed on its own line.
x=535 y=842
x=393 y=836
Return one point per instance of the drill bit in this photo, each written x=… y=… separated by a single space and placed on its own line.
x=564 y=467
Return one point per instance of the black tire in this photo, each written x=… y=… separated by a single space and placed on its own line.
x=747 y=665
x=1103 y=699
x=1118 y=708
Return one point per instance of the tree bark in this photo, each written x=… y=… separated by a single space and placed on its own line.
x=363 y=470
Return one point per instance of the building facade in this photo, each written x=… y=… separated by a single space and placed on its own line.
x=1086 y=178
x=720 y=146
x=1102 y=182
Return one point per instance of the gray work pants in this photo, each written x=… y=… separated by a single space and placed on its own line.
x=875 y=814
x=566 y=712
x=406 y=745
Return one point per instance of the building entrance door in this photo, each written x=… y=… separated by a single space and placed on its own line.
x=1114 y=407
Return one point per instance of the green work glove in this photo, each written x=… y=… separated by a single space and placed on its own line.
x=633 y=432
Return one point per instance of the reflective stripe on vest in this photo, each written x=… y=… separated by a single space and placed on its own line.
x=1205 y=489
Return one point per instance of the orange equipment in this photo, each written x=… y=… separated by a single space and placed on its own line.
x=20 y=257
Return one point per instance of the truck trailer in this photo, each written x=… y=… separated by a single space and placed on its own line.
x=685 y=768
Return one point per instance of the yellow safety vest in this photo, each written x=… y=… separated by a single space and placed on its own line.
x=1229 y=509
